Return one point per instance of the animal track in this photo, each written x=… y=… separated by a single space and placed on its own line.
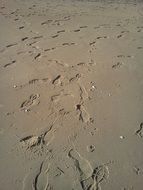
x=33 y=100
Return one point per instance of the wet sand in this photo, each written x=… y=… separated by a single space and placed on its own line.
x=71 y=95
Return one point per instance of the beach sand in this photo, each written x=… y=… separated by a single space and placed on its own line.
x=71 y=95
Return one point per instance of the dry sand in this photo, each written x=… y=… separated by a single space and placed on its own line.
x=71 y=95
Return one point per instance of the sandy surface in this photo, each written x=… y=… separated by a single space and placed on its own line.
x=71 y=95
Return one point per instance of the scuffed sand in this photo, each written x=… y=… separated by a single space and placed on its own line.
x=71 y=95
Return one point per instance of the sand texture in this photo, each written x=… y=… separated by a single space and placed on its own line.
x=71 y=95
